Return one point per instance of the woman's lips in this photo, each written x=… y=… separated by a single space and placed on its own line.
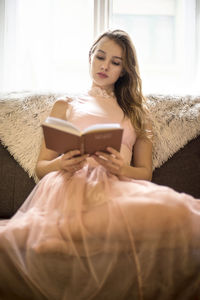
x=102 y=75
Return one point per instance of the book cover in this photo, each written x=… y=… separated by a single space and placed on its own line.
x=62 y=136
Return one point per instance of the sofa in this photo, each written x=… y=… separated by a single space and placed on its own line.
x=176 y=165
x=181 y=172
x=176 y=153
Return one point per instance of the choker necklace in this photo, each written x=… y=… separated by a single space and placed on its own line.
x=97 y=91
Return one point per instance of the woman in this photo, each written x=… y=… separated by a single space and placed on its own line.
x=114 y=68
x=95 y=227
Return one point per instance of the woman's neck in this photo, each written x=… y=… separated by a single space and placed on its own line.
x=108 y=90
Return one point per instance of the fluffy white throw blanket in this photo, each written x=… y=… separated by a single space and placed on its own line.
x=176 y=120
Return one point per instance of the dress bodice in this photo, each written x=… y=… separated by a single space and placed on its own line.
x=96 y=106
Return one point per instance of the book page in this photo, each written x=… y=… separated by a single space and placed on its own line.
x=62 y=125
x=101 y=127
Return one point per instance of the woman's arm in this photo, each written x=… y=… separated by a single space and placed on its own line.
x=48 y=160
x=142 y=160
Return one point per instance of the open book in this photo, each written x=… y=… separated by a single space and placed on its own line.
x=62 y=136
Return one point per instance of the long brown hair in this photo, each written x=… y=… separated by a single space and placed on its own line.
x=128 y=88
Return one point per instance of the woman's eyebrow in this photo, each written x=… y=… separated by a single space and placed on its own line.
x=99 y=50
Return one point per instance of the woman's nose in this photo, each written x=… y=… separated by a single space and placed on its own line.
x=105 y=66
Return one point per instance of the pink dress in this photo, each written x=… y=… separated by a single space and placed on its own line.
x=95 y=236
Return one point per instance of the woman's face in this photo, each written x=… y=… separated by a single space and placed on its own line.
x=106 y=64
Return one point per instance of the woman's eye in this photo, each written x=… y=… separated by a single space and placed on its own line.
x=100 y=57
x=113 y=62
x=116 y=63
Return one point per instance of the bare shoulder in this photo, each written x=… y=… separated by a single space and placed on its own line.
x=59 y=108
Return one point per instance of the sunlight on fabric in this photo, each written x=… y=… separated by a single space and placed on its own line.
x=52 y=43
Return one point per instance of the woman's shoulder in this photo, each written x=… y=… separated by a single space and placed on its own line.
x=63 y=100
x=60 y=107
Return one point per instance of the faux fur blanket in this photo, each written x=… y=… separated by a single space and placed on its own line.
x=176 y=120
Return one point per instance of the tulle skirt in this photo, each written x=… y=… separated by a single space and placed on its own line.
x=91 y=235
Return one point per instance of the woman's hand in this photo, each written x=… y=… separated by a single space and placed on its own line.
x=72 y=161
x=112 y=161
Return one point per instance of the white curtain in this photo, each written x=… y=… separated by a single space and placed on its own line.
x=44 y=44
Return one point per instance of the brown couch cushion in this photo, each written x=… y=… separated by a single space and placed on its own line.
x=15 y=184
x=182 y=171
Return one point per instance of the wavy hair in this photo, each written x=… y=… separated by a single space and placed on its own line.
x=128 y=88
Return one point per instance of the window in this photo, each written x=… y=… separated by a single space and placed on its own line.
x=165 y=34
x=46 y=44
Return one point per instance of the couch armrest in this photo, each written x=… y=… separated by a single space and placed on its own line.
x=15 y=184
x=182 y=171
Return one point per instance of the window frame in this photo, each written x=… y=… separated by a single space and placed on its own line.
x=102 y=16
x=188 y=14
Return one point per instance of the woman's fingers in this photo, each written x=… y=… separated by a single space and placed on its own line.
x=71 y=162
x=71 y=154
x=115 y=152
x=114 y=156
x=75 y=160
x=112 y=161
x=106 y=163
